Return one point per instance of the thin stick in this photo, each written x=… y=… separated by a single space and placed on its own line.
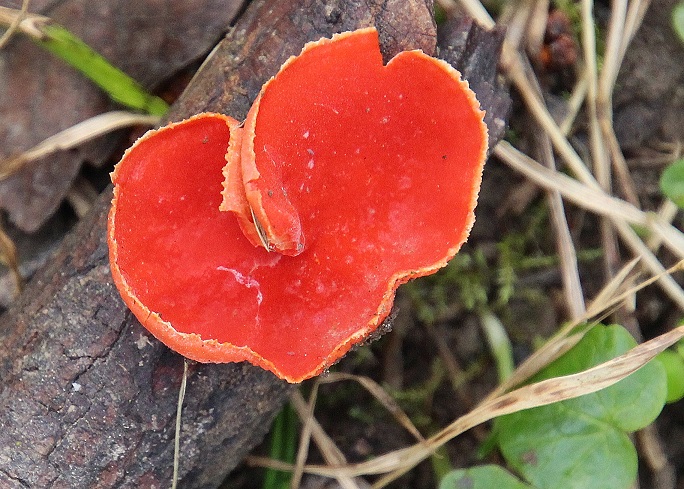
x=590 y=197
x=305 y=411
x=666 y=282
x=179 y=411
x=635 y=15
x=14 y=25
x=331 y=454
x=74 y=136
x=542 y=393
x=541 y=113
x=617 y=37
x=618 y=210
x=381 y=395
x=598 y=151
x=612 y=59
x=574 y=103
x=667 y=212
x=572 y=285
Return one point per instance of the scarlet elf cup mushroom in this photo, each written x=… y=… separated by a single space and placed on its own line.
x=282 y=242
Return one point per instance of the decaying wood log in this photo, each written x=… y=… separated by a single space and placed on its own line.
x=88 y=397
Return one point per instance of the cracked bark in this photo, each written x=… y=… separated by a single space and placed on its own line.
x=88 y=397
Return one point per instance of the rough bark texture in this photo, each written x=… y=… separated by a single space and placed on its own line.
x=475 y=53
x=88 y=397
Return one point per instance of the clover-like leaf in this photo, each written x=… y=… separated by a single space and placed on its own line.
x=583 y=442
x=672 y=180
x=482 y=477
x=673 y=362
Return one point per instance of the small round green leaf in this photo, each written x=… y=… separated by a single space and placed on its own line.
x=672 y=179
x=678 y=20
x=482 y=477
x=674 y=369
x=583 y=443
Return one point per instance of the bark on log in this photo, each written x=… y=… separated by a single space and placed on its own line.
x=88 y=397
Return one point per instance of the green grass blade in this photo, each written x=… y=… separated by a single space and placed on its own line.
x=117 y=84
x=283 y=446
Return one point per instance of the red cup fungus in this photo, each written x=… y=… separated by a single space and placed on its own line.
x=283 y=242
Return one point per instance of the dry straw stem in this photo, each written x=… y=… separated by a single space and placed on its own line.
x=620 y=211
x=514 y=66
x=617 y=40
x=381 y=395
x=574 y=104
x=26 y=23
x=74 y=136
x=312 y=429
x=572 y=285
x=589 y=46
x=179 y=412
x=601 y=164
x=653 y=454
x=542 y=393
x=305 y=412
x=13 y=23
x=549 y=391
x=332 y=455
x=667 y=212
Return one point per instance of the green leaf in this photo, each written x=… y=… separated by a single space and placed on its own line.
x=678 y=20
x=283 y=446
x=482 y=477
x=674 y=369
x=672 y=180
x=117 y=84
x=583 y=442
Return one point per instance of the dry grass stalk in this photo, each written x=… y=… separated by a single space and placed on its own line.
x=381 y=396
x=74 y=136
x=332 y=455
x=27 y=23
x=667 y=212
x=599 y=154
x=574 y=104
x=13 y=26
x=534 y=395
x=305 y=411
x=179 y=412
x=620 y=212
x=652 y=452
x=572 y=285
